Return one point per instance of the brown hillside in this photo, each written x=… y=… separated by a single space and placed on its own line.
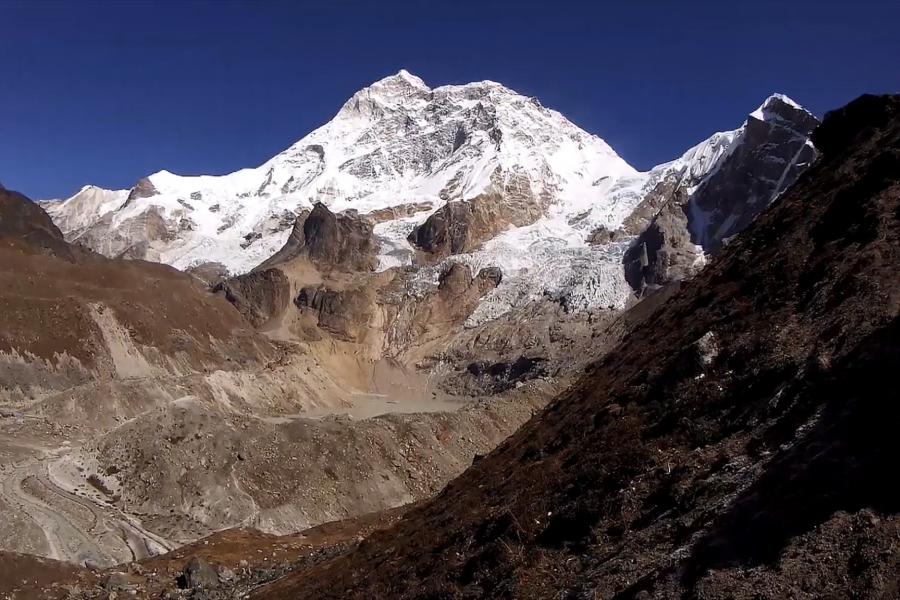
x=739 y=443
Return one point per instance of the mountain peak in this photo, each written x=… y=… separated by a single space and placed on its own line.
x=392 y=90
x=402 y=79
x=777 y=106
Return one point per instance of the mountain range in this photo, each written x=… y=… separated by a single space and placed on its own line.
x=449 y=345
x=551 y=205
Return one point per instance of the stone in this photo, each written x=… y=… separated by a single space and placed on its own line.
x=198 y=573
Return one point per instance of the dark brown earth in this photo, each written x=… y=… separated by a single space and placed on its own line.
x=25 y=577
x=739 y=443
x=45 y=302
x=25 y=221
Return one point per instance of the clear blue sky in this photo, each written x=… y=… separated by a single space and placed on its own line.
x=105 y=93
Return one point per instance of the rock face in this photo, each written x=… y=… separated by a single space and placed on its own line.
x=199 y=574
x=448 y=231
x=258 y=296
x=343 y=242
x=77 y=213
x=461 y=227
x=733 y=445
x=133 y=238
x=144 y=188
x=664 y=251
x=774 y=149
x=695 y=218
x=344 y=314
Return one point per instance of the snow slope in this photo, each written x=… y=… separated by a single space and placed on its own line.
x=398 y=142
x=78 y=212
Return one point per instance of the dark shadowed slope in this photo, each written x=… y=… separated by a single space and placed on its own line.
x=23 y=220
x=739 y=443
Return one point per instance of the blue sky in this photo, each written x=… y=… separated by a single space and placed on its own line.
x=106 y=93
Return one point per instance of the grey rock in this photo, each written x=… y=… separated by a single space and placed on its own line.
x=198 y=573
x=769 y=154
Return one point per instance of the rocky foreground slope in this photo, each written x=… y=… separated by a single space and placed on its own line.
x=736 y=444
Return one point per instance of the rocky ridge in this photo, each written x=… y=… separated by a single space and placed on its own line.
x=474 y=173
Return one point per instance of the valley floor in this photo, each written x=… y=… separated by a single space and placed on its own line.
x=51 y=507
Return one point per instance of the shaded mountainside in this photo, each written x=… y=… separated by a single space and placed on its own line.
x=696 y=217
x=77 y=316
x=738 y=443
x=22 y=219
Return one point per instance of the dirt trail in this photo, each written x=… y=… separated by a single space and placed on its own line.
x=76 y=526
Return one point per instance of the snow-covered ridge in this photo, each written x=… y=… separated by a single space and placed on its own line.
x=398 y=141
x=84 y=208
x=393 y=142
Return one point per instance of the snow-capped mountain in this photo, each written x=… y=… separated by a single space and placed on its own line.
x=716 y=189
x=401 y=150
x=82 y=210
x=394 y=142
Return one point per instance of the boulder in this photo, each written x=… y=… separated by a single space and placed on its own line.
x=198 y=574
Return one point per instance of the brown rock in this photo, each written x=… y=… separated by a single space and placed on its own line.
x=144 y=188
x=24 y=221
x=258 y=295
x=342 y=242
x=462 y=226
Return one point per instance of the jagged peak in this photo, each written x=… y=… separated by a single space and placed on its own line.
x=391 y=90
x=406 y=77
x=775 y=106
x=485 y=85
x=400 y=81
x=90 y=187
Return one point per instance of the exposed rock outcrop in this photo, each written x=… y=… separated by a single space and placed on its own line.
x=24 y=221
x=342 y=241
x=774 y=150
x=462 y=226
x=769 y=153
x=135 y=238
x=210 y=272
x=259 y=295
x=345 y=314
x=664 y=251
x=397 y=212
x=144 y=188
